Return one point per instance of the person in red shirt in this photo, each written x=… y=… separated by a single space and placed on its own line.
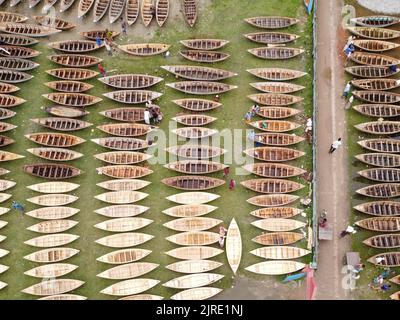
x=101 y=69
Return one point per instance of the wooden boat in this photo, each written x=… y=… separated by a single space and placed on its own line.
x=33 y=3
x=52 y=287
x=126 y=129
x=193 y=119
x=373 y=59
x=144 y=49
x=391 y=259
x=68 y=112
x=379 y=127
x=162 y=11
x=75 y=46
x=277 y=87
x=4 y=210
x=11 y=76
x=375 y=45
x=131 y=11
x=125 y=114
x=189 y=210
x=275 y=125
x=395 y=279
x=115 y=11
x=124 y=171
x=30 y=30
x=395 y=296
x=374 y=33
x=6 y=114
x=204 y=44
x=196 y=151
x=278 y=212
x=3 y=223
x=124 y=240
x=377 y=96
x=384 y=241
x=277 y=139
x=383 y=190
x=52 y=213
x=52 y=240
x=56 y=23
x=132 y=96
x=194 y=197
x=381 y=174
x=376 y=21
x=130 y=81
x=371 y=71
x=147 y=12
x=48 y=4
x=380 y=224
x=20 y=53
x=376 y=84
x=84 y=7
x=276 y=267
x=274 y=154
x=270 y=186
x=271 y=22
x=381 y=145
x=124 y=256
x=123 y=157
x=62 y=297
x=17 y=40
x=9 y=156
x=200 y=105
x=75 y=60
x=378 y=110
x=127 y=271
x=192 y=224
x=5 y=141
x=233 y=246
x=62 y=124
x=3 y=253
x=54 y=187
x=189 y=9
x=193 y=280
x=280 y=252
x=278 y=224
x=380 y=208
x=194 y=238
x=194 y=253
x=195 y=166
x=122 y=211
x=101 y=33
x=72 y=99
x=12 y=17
x=194 y=266
x=142 y=297
x=272 y=200
x=17 y=64
x=199 y=73
x=52 y=171
x=276 y=74
x=275 y=99
x=52 y=200
x=100 y=8
x=193 y=183
x=271 y=37
x=66 y=4
x=129 y=287
x=201 y=87
x=69 y=86
x=201 y=293
x=194 y=132
x=204 y=55
x=3 y=285
x=52 y=255
x=122 y=143
x=6 y=88
x=380 y=159
x=55 y=154
x=276 y=53
x=121 y=197
x=72 y=73
x=123 y=224
x=273 y=170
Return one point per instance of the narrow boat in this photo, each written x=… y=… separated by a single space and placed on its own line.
x=56 y=23
x=72 y=73
x=65 y=5
x=272 y=200
x=390 y=259
x=385 y=160
x=193 y=119
x=201 y=87
x=128 y=271
x=204 y=55
x=201 y=293
x=386 y=241
x=379 y=127
x=121 y=197
x=395 y=296
x=271 y=37
x=280 y=252
x=130 y=81
x=144 y=49
x=277 y=87
x=193 y=280
x=233 y=246
x=52 y=171
x=101 y=33
x=274 y=154
x=84 y=7
x=271 y=22
x=30 y=30
x=189 y=210
x=132 y=96
x=75 y=46
x=48 y=4
x=124 y=185
x=122 y=143
x=278 y=212
x=381 y=145
x=6 y=88
x=53 y=200
x=6 y=114
x=9 y=156
x=5 y=141
x=276 y=53
x=395 y=279
x=380 y=208
x=194 y=238
x=192 y=224
x=124 y=240
x=274 y=170
x=380 y=224
x=124 y=171
x=11 y=76
x=54 y=187
x=123 y=224
x=383 y=190
x=64 y=297
x=147 y=12
x=53 y=287
x=125 y=114
x=276 y=74
x=52 y=213
x=69 y=86
x=19 y=52
x=123 y=157
x=272 y=186
x=68 y=112
x=115 y=11
x=275 y=99
x=17 y=64
x=194 y=132
x=277 y=139
x=17 y=40
x=381 y=174
x=200 y=105
x=194 y=266
x=131 y=11
x=375 y=45
x=278 y=224
x=52 y=255
x=194 y=197
x=374 y=33
x=276 y=267
x=194 y=252
x=371 y=71
x=124 y=256
x=195 y=166
x=193 y=183
x=199 y=73
x=126 y=129
x=196 y=151
x=72 y=99
x=100 y=8
x=381 y=97
x=373 y=59
x=204 y=44
x=76 y=60
x=275 y=125
x=55 y=154
x=162 y=11
x=376 y=21
x=62 y=124
x=130 y=287
x=122 y=211
x=378 y=110
x=12 y=17
x=53 y=226
x=376 y=84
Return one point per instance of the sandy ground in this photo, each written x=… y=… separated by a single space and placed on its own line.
x=382 y=6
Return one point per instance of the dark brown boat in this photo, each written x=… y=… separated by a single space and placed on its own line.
x=272 y=186
x=271 y=22
x=122 y=143
x=380 y=208
x=52 y=171
x=204 y=56
x=386 y=160
x=193 y=183
x=57 y=23
x=30 y=30
x=131 y=81
x=189 y=8
x=371 y=71
x=196 y=151
x=375 y=45
x=126 y=129
x=376 y=21
x=6 y=114
x=69 y=112
x=379 y=127
x=271 y=37
x=16 y=40
x=378 y=110
x=373 y=59
x=384 y=241
x=380 y=224
x=6 y=88
x=274 y=170
x=376 y=84
x=11 y=76
x=381 y=174
x=62 y=124
x=55 y=154
x=53 y=139
x=125 y=114
x=124 y=171
x=18 y=52
x=275 y=53
x=75 y=46
x=5 y=141
x=195 y=166
x=381 y=145
x=8 y=101
x=276 y=74
x=72 y=73
x=75 y=60
x=377 y=96
x=12 y=17
x=383 y=190
x=132 y=96
x=200 y=105
x=278 y=238
x=69 y=86
x=201 y=87
x=199 y=73
x=17 y=64
x=94 y=34
x=274 y=154
x=390 y=259
x=72 y=99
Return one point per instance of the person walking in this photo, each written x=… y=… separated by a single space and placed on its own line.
x=107 y=44
x=101 y=70
x=346 y=90
x=123 y=26
x=335 y=145
x=98 y=41
x=226 y=172
x=232 y=184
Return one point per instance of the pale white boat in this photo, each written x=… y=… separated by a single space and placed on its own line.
x=276 y=267
x=128 y=271
x=130 y=287
x=233 y=246
x=54 y=187
x=278 y=224
x=202 y=293
x=52 y=240
x=121 y=197
x=193 y=280
x=122 y=211
x=53 y=226
x=124 y=256
x=124 y=240
x=53 y=213
x=53 y=270
x=4 y=210
x=50 y=200
x=123 y=224
x=124 y=184
x=3 y=253
x=194 y=266
x=189 y=210
x=195 y=197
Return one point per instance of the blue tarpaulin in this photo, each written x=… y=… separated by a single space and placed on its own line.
x=309 y=5
x=296 y=276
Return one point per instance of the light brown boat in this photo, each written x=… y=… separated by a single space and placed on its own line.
x=278 y=224
x=192 y=224
x=371 y=71
x=275 y=38
x=200 y=105
x=125 y=114
x=64 y=6
x=194 y=132
x=276 y=74
x=68 y=112
x=391 y=259
x=275 y=99
x=100 y=33
x=121 y=197
x=274 y=170
x=381 y=97
x=272 y=186
x=379 y=21
x=272 y=200
x=195 y=166
x=386 y=160
x=384 y=241
x=277 y=139
x=75 y=46
x=6 y=88
x=189 y=9
x=271 y=22
x=194 y=238
x=56 y=23
x=75 y=60
x=275 y=125
x=17 y=60
x=52 y=171
x=69 y=86
x=201 y=87
x=196 y=151
x=99 y=9
x=193 y=183
x=130 y=81
x=144 y=49
x=124 y=256
x=376 y=84
x=72 y=99
x=132 y=11
x=52 y=287
x=122 y=143
x=381 y=145
x=194 y=252
x=123 y=224
x=147 y=12
x=193 y=280
x=72 y=73
x=375 y=45
x=274 y=154
x=17 y=40
x=204 y=44
x=276 y=267
x=277 y=87
x=123 y=157
x=52 y=255
x=122 y=211
x=124 y=171
x=380 y=224
x=201 y=293
x=84 y=6
x=199 y=73
x=129 y=287
x=55 y=154
x=53 y=270
x=30 y=30
x=276 y=53
x=124 y=184
x=383 y=190
x=162 y=11
x=381 y=174
x=11 y=76
x=373 y=59
x=280 y=252
x=193 y=119
x=126 y=129
x=62 y=124
x=380 y=208
x=12 y=17
x=132 y=96
x=204 y=55
x=52 y=213
x=52 y=240
x=278 y=212
x=374 y=33
x=378 y=110
x=194 y=266
x=124 y=240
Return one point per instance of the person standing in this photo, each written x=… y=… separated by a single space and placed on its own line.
x=108 y=47
x=123 y=26
x=346 y=90
x=232 y=184
x=102 y=70
x=335 y=145
x=98 y=41
x=226 y=172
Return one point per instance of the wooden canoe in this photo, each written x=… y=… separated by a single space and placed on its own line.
x=380 y=208
x=233 y=246
x=48 y=4
x=371 y=71
x=62 y=124
x=381 y=145
x=116 y=9
x=131 y=81
x=5 y=141
x=33 y=3
x=65 y=5
x=69 y=86
x=17 y=64
x=273 y=170
x=376 y=84
x=377 y=96
x=3 y=285
x=144 y=49
x=123 y=157
x=374 y=33
x=278 y=224
x=142 y=296
x=6 y=88
x=4 y=210
x=204 y=55
x=52 y=240
x=52 y=287
x=51 y=270
x=3 y=223
x=56 y=23
x=6 y=114
x=202 y=293
x=17 y=40
x=193 y=280
x=132 y=96
x=275 y=125
x=123 y=224
x=192 y=224
x=126 y=129
x=194 y=197
x=376 y=21
x=125 y=114
x=395 y=296
x=121 y=197
x=101 y=33
x=11 y=76
x=72 y=73
x=276 y=87
x=122 y=143
x=52 y=200
x=276 y=53
x=277 y=139
x=131 y=11
x=193 y=183
x=276 y=267
x=129 y=287
x=201 y=87
x=3 y=253
x=379 y=127
x=53 y=187
x=385 y=160
x=124 y=240
x=195 y=166
x=204 y=44
x=52 y=171
x=30 y=30
x=271 y=22
x=122 y=211
x=381 y=174
x=147 y=12
x=162 y=11
x=124 y=184
x=194 y=252
x=375 y=45
x=189 y=9
x=373 y=59
x=52 y=255
x=72 y=99
x=64 y=297
x=193 y=119
x=272 y=186
x=391 y=259
x=280 y=252
x=196 y=151
x=189 y=210
x=75 y=46
x=124 y=171
x=275 y=99
x=128 y=271
x=124 y=256
x=84 y=7
x=276 y=74
x=271 y=37
x=9 y=156
x=383 y=190
x=194 y=238
x=272 y=200
x=274 y=154
x=75 y=60
x=100 y=8
x=194 y=266
x=3 y=268
x=384 y=241
x=68 y=112
x=395 y=279
x=55 y=154
x=194 y=132
x=52 y=213
x=378 y=110
x=380 y=224
x=199 y=105
x=20 y=53
x=278 y=212
x=199 y=73
x=12 y=17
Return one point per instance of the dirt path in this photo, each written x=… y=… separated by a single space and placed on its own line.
x=332 y=169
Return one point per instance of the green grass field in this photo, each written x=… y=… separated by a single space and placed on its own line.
x=220 y=19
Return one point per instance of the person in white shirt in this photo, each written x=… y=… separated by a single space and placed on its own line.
x=336 y=144
x=346 y=90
